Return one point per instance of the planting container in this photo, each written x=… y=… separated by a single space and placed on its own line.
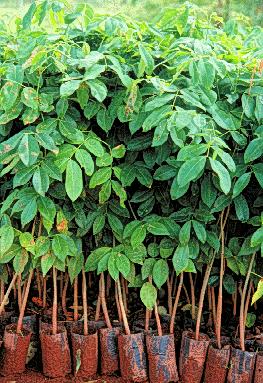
x=258 y=378
x=132 y=357
x=217 y=363
x=162 y=361
x=84 y=351
x=192 y=357
x=241 y=366
x=55 y=351
x=15 y=350
x=109 y=350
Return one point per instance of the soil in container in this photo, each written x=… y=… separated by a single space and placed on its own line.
x=16 y=349
x=259 y=368
x=217 y=362
x=242 y=365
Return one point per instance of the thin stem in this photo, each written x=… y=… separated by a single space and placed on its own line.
x=220 y=290
x=176 y=303
x=103 y=301
x=124 y=294
x=242 y=303
x=148 y=312
x=8 y=291
x=202 y=296
x=2 y=293
x=23 y=307
x=76 y=314
x=247 y=302
x=124 y=316
x=98 y=306
x=118 y=303
x=210 y=320
x=234 y=297
x=186 y=295
x=213 y=306
x=61 y=282
x=169 y=293
x=19 y=291
x=44 y=292
x=64 y=295
x=85 y=304
x=55 y=303
x=108 y=285
x=158 y=322
x=38 y=284
x=192 y=296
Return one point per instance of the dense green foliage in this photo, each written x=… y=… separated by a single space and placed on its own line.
x=127 y=141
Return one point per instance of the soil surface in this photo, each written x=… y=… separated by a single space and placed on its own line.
x=31 y=376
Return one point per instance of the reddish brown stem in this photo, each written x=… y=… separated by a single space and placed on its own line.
x=76 y=314
x=38 y=284
x=64 y=295
x=158 y=322
x=55 y=303
x=19 y=292
x=169 y=293
x=148 y=312
x=242 y=304
x=123 y=312
x=2 y=293
x=179 y=289
x=44 y=292
x=210 y=319
x=8 y=291
x=103 y=301
x=85 y=304
x=202 y=296
x=124 y=294
x=186 y=295
x=234 y=297
x=23 y=307
x=213 y=306
x=61 y=283
x=247 y=302
x=98 y=306
x=220 y=289
x=108 y=285
x=192 y=296
x=118 y=303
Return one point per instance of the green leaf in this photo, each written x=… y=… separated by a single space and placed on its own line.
x=29 y=97
x=184 y=234
x=29 y=212
x=6 y=238
x=10 y=254
x=51 y=169
x=100 y=176
x=40 y=181
x=120 y=192
x=254 y=150
x=257 y=237
x=98 y=90
x=46 y=208
x=26 y=21
x=74 y=181
x=115 y=224
x=69 y=87
x=123 y=264
x=98 y=224
x=85 y=160
x=148 y=295
x=47 y=261
x=60 y=246
x=160 y=272
x=42 y=246
x=118 y=151
x=258 y=170
x=94 y=146
x=208 y=191
x=94 y=258
x=138 y=236
x=158 y=101
x=242 y=209
x=241 y=184
x=258 y=293
x=105 y=192
x=147 y=59
x=180 y=258
x=190 y=170
x=223 y=174
x=112 y=266
x=199 y=231
x=176 y=191
x=20 y=261
x=28 y=149
x=147 y=267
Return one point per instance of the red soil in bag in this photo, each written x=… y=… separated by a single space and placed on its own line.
x=55 y=352
x=241 y=366
x=109 y=350
x=16 y=349
x=259 y=368
x=192 y=357
x=85 y=352
x=162 y=361
x=132 y=357
x=217 y=364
